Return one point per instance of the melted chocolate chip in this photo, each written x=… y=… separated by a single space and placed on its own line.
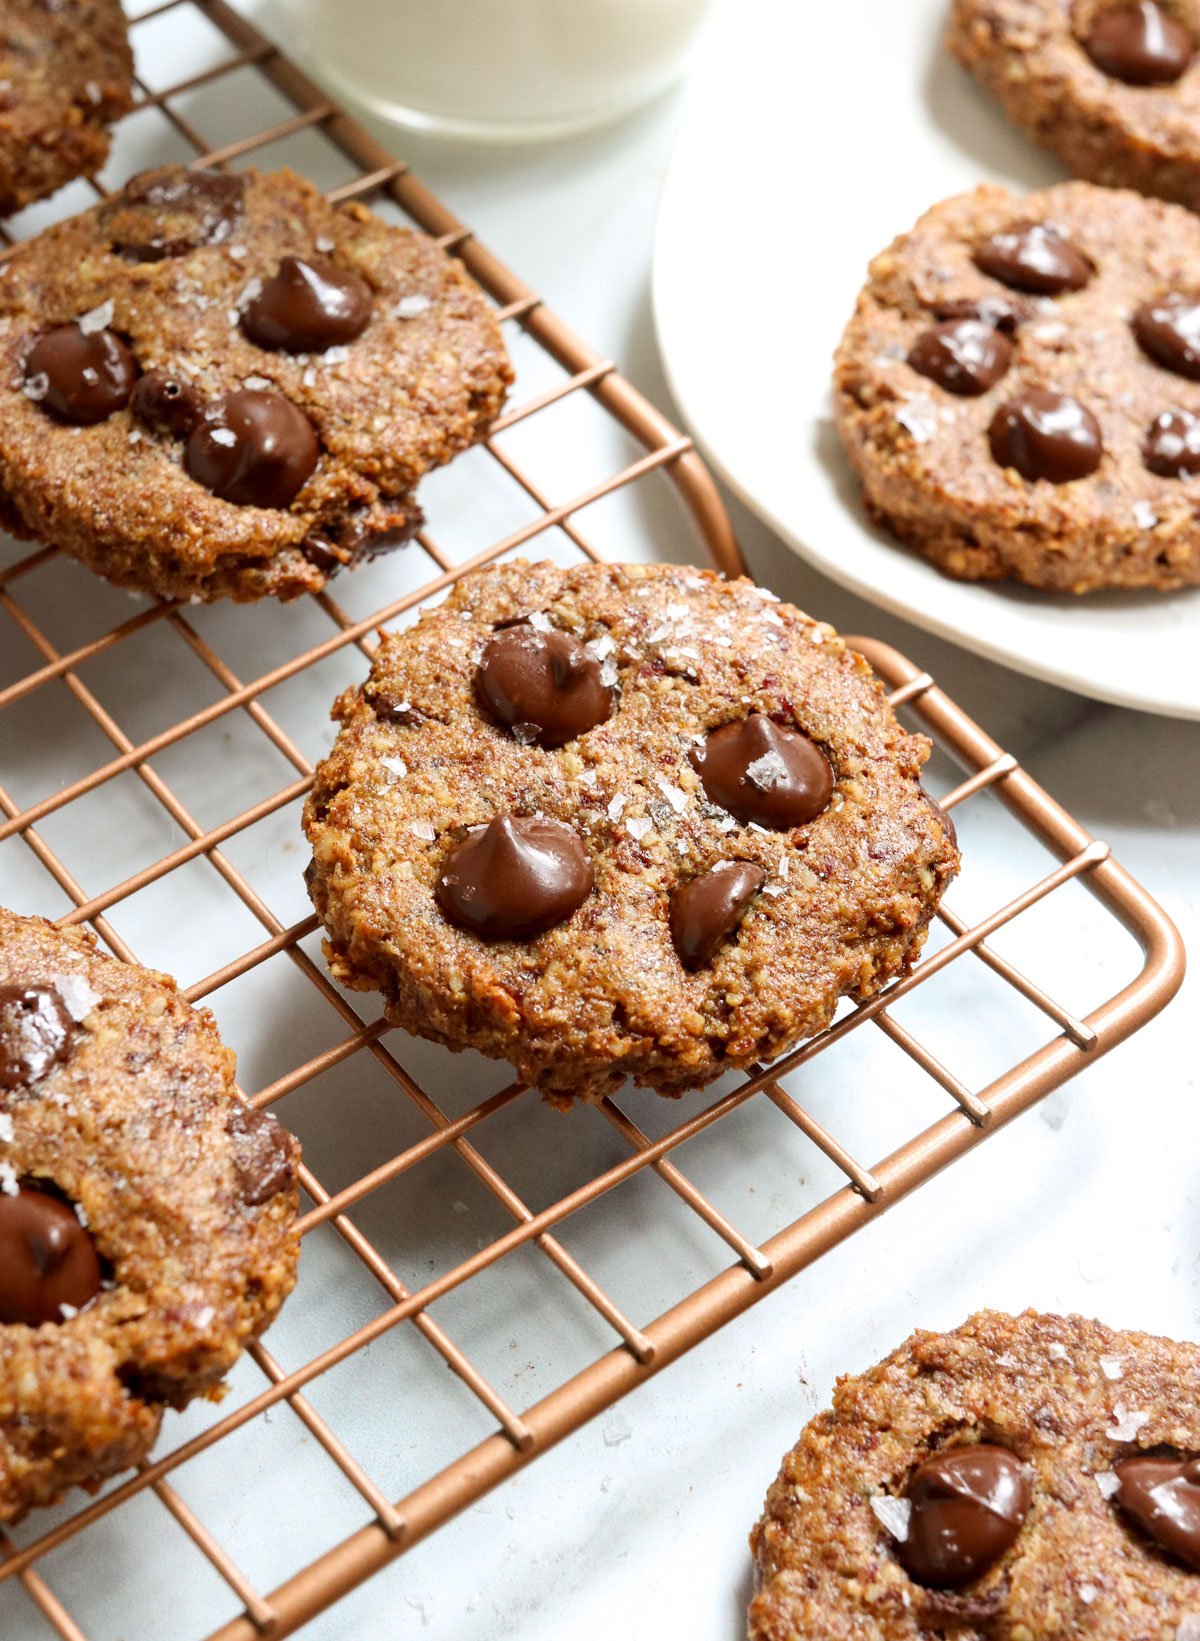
x=166 y=403
x=306 y=307
x=47 y=1260
x=1034 y=256
x=964 y=356
x=968 y=1504
x=253 y=448
x=1140 y=44
x=1163 y=1496
x=170 y=211
x=547 y=681
x=1172 y=446
x=262 y=1155
x=761 y=772
x=706 y=911
x=343 y=543
x=946 y=821
x=1046 y=435
x=514 y=878
x=80 y=377
x=36 y=1034
x=1168 y=329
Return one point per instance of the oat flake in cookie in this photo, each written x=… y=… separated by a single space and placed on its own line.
x=1111 y=86
x=66 y=72
x=1019 y=389
x=621 y=821
x=217 y=385
x=1019 y=1478
x=146 y=1215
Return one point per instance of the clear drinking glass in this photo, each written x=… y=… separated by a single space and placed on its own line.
x=516 y=69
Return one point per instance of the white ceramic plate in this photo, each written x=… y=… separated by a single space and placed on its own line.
x=813 y=133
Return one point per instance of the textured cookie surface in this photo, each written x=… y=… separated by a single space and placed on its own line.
x=66 y=72
x=118 y=1100
x=1036 y=57
x=1069 y=1399
x=832 y=907
x=925 y=453
x=236 y=438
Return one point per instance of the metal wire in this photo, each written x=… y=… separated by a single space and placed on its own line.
x=637 y=1350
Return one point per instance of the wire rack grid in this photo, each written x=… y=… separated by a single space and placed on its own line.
x=464 y=1126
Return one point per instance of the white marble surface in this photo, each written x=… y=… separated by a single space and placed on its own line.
x=637 y=1525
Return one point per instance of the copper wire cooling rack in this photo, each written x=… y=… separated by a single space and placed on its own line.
x=417 y=1286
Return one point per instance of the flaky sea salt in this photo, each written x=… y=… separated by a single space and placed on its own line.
x=223 y=435
x=1127 y=1421
x=540 y=621
x=37 y=386
x=767 y=771
x=1188 y=1628
x=1112 y=1367
x=675 y=795
x=638 y=827
x=588 y=778
x=603 y=646
x=67 y=1311
x=309 y=377
x=1144 y=515
x=409 y=307
x=1107 y=1481
x=525 y=734
x=324 y=244
x=608 y=674
x=917 y=415
x=1057 y=1352
x=772 y=619
x=422 y=829
x=395 y=767
x=259 y=384
x=893 y=1513
x=336 y=355
x=8 y=1179
x=96 y=319
x=93 y=93
x=616 y=805
x=1088 y=1593
x=6 y=1128
x=79 y=997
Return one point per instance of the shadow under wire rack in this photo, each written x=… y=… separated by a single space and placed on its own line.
x=442 y=1199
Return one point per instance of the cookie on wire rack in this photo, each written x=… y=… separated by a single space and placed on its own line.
x=146 y=1215
x=218 y=385
x=66 y=73
x=1026 y=1476
x=621 y=822
x=1019 y=389
x=1110 y=86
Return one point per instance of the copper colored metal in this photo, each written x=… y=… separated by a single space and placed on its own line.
x=640 y=1349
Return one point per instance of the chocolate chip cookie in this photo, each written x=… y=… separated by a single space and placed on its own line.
x=66 y=73
x=1019 y=389
x=621 y=821
x=1112 y=87
x=146 y=1215
x=1021 y=1477
x=217 y=385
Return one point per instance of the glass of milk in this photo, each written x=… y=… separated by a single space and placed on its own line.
x=517 y=69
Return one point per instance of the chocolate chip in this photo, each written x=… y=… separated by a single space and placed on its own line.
x=80 y=377
x=547 y=681
x=946 y=821
x=166 y=403
x=1140 y=44
x=1046 y=435
x=995 y=311
x=36 y=1034
x=514 y=878
x=262 y=1155
x=762 y=772
x=964 y=356
x=170 y=211
x=253 y=448
x=1172 y=446
x=1034 y=256
x=342 y=543
x=706 y=911
x=968 y=1504
x=1168 y=329
x=1163 y=1496
x=47 y=1260
x=306 y=307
